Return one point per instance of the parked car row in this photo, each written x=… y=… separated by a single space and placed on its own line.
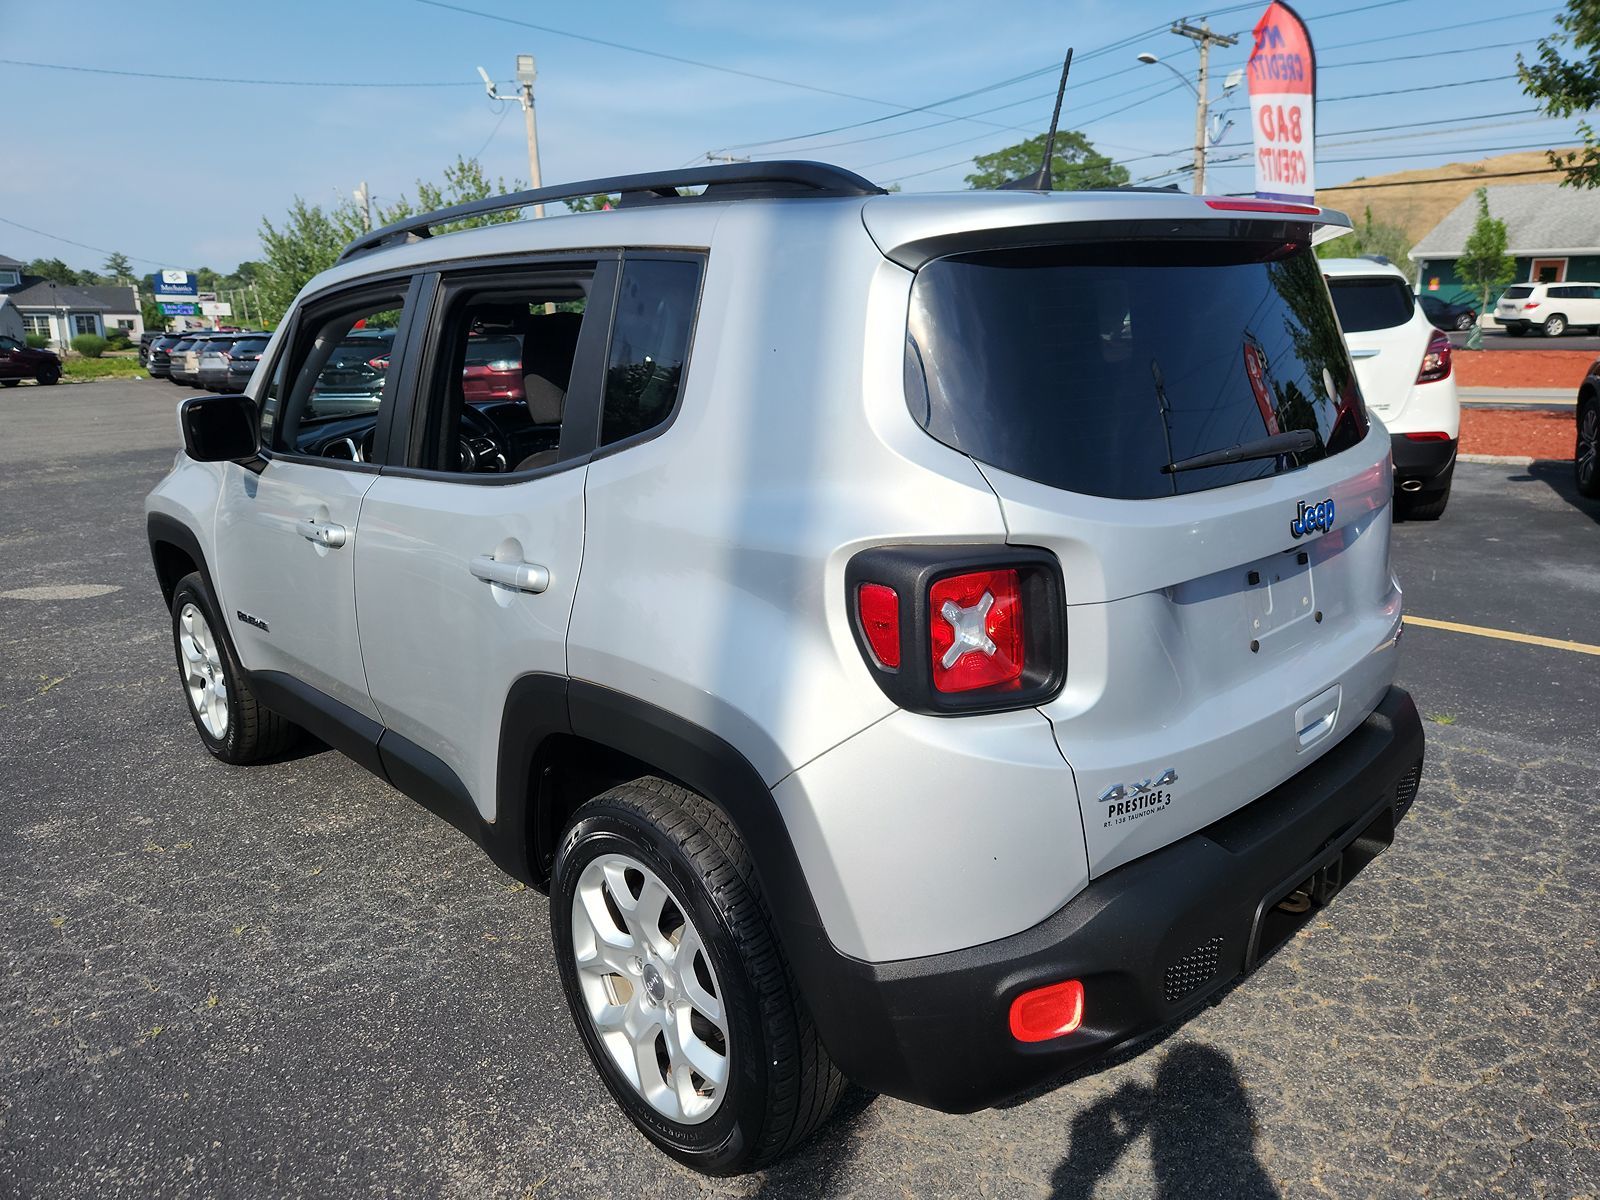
x=215 y=361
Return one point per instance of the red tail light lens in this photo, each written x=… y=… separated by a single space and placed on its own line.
x=878 y=608
x=379 y=364
x=1436 y=360
x=976 y=631
x=1531 y=304
x=1264 y=206
x=1427 y=437
x=1047 y=1012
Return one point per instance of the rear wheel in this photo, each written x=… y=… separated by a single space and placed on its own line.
x=677 y=985
x=1466 y=321
x=230 y=721
x=1429 y=505
x=1586 y=473
x=1554 y=326
x=1516 y=330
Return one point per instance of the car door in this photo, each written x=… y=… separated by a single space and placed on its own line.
x=468 y=559
x=288 y=525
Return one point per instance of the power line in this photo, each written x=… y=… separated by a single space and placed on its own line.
x=1367 y=62
x=327 y=83
x=1356 y=187
x=81 y=245
x=1429 y=87
x=1451 y=28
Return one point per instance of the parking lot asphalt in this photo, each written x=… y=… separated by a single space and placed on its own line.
x=1499 y=339
x=289 y=980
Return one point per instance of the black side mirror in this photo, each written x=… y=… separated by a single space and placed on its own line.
x=218 y=428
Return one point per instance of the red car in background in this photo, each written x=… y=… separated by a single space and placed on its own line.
x=493 y=367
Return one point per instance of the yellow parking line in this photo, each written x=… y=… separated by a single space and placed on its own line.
x=1504 y=635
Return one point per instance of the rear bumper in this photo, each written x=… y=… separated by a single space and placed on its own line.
x=1149 y=941
x=1421 y=461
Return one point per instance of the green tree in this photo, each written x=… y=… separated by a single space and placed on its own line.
x=1371 y=237
x=1565 y=87
x=590 y=203
x=1075 y=166
x=119 y=268
x=53 y=270
x=309 y=238
x=1485 y=264
x=150 y=310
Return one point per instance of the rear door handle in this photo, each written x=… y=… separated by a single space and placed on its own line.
x=522 y=576
x=324 y=533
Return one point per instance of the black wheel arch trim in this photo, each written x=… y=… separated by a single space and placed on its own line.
x=163 y=529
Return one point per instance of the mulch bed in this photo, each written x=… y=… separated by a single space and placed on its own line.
x=1522 y=368
x=1515 y=432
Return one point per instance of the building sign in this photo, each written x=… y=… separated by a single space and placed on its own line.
x=175 y=285
x=169 y=309
x=1283 y=98
x=215 y=308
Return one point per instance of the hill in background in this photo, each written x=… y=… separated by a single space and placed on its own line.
x=1416 y=204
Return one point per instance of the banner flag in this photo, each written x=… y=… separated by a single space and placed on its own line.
x=1283 y=101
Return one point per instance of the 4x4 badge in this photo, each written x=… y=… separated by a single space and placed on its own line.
x=1312 y=518
x=1123 y=791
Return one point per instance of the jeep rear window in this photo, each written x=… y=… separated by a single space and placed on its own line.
x=1045 y=361
x=1371 y=303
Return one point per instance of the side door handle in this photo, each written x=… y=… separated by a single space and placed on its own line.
x=521 y=576
x=324 y=533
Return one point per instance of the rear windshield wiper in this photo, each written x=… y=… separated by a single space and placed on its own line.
x=1293 y=441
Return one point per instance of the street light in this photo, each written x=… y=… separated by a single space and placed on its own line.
x=1206 y=129
x=1151 y=59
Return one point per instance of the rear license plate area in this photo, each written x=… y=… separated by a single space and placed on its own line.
x=1279 y=593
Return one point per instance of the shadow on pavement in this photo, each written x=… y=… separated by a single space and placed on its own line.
x=1201 y=1126
x=1557 y=475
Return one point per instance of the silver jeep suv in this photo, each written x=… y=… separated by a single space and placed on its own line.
x=921 y=640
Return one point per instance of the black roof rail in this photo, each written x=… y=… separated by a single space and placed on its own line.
x=733 y=181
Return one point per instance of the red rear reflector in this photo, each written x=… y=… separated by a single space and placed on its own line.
x=1270 y=206
x=1435 y=360
x=976 y=631
x=1428 y=437
x=1047 y=1012
x=879 y=609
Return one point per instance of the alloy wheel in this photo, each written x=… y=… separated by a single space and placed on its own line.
x=203 y=675
x=649 y=988
x=1588 y=445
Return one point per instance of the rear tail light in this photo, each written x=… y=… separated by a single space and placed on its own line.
x=1047 y=1012
x=1435 y=360
x=381 y=363
x=977 y=631
x=1427 y=437
x=1531 y=304
x=960 y=629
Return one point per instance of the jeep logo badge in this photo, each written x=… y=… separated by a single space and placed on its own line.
x=1312 y=518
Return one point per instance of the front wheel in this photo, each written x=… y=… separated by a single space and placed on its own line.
x=677 y=985
x=1465 y=322
x=231 y=722
x=1585 y=472
x=1554 y=325
x=49 y=376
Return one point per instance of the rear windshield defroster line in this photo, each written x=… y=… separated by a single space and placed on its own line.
x=1044 y=361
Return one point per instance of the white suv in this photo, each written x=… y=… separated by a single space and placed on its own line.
x=1405 y=369
x=925 y=640
x=1551 y=308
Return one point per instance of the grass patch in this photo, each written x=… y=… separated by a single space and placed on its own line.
x=1442 y=718
x=101 y=368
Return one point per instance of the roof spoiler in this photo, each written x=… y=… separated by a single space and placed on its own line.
x=732 y=181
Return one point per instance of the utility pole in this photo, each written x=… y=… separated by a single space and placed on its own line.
x=527 y=72
x=1203 y=35
x=364 y=199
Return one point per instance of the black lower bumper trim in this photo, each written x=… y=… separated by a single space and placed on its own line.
x=1149 y=941
x=1423 y=461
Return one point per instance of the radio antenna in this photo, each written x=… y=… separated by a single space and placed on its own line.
x=1041 y=182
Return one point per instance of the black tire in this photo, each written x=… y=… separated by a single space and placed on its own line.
x=1554 y=325
x=781 y=1084
x=1465 y=322
x=253 y=731
x=1429 y=505
x=9 y=382
x=49 y=377
x=1585 y=467
x=1516 y=330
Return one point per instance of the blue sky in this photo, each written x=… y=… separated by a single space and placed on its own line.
x=180 y=173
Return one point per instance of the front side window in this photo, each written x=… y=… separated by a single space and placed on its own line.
x=10 y=344
x=656 y=303
x=1090 y=367
x=333 y=381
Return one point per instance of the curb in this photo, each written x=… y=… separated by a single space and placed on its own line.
x=1504 y=460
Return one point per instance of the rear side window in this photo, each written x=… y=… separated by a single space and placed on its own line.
x=656 y=303
x=1374 y=303
x=1090 y=367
